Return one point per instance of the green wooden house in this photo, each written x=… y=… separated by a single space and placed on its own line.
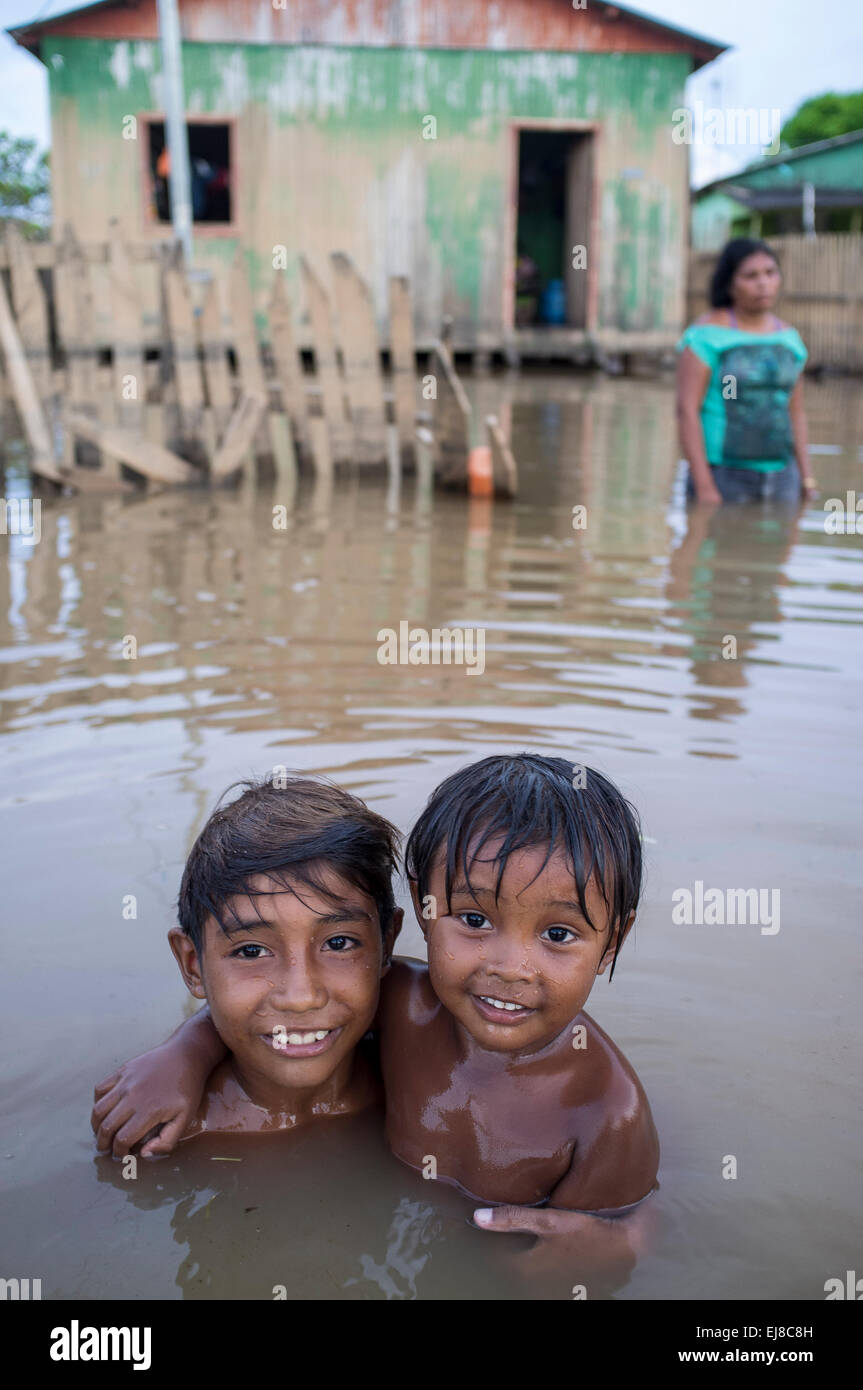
x=514 y=158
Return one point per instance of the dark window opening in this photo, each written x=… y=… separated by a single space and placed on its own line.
x=209 y=171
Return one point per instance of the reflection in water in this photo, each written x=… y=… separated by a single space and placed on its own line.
x=254 y=617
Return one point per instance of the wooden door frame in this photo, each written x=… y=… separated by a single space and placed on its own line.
x=550 y=123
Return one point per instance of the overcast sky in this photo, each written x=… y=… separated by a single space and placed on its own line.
x=783 y=52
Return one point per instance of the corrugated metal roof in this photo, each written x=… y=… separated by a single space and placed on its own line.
x=394 y=22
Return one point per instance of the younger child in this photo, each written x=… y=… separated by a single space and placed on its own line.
x=525 y=879
x=525 y=883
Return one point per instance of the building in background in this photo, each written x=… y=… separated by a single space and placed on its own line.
x=817 y=187
x=514 y=158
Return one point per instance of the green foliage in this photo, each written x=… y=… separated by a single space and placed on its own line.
x=24 y=184
x=821 y=118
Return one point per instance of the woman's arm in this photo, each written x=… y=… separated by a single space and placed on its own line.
x=693 y=379
x=160 y=1090
x=800 y=430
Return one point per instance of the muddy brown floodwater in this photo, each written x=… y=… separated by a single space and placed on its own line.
x=257 y=647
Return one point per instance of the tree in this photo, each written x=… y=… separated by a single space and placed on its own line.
x=821 y=118
x=24 y=184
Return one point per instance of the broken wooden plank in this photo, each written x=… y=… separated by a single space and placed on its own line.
x=216 y=373
x=243 y=426
x=130 y=385
x=74 y=319
x=31 y=310
x=244 y=337
x=183 y=337
x=504 y=469
x=451 y=421
x=288 y=363
x=25 y=394
x=403 y=363
x=326 y=365
x=142 y=455
x=358 y=340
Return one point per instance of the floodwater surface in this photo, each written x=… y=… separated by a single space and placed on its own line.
x=606 y=643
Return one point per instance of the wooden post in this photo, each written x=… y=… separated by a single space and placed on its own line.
x=31 y=310
x=451 y=422
x=403 y=364
x=26 y=395
x=216 y=373
x=74 y=308
x=184 y=354
x=358 y=339
x=504 y=470
x=326 y=364
x=244 y=336
x=130 y=386
x=289 y=367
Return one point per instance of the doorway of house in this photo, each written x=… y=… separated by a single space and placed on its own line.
x=555 y=176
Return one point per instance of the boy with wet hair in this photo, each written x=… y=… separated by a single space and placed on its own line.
x=286 y=926
x=525 y=873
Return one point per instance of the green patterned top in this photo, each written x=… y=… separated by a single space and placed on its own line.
x=745 y=410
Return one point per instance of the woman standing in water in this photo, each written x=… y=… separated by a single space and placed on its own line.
x=740 y=388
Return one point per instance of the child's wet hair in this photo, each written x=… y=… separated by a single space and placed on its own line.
x=290 y=832
x=529 y=800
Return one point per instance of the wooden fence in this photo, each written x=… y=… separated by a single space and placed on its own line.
x=822 y=294
x=144 y=372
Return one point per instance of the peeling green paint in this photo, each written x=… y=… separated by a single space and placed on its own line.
x=330 y=131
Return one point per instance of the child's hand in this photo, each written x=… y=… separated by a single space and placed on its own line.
x=604 y=1242
x=152 y=1092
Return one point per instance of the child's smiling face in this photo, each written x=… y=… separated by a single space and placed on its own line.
x=516 y=971
x=295 y=985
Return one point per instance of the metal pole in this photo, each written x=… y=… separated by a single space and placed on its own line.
x=175 y=125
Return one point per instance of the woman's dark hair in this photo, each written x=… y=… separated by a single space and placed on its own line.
x=532 y=800
x=730 y=257
x=288 y=828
